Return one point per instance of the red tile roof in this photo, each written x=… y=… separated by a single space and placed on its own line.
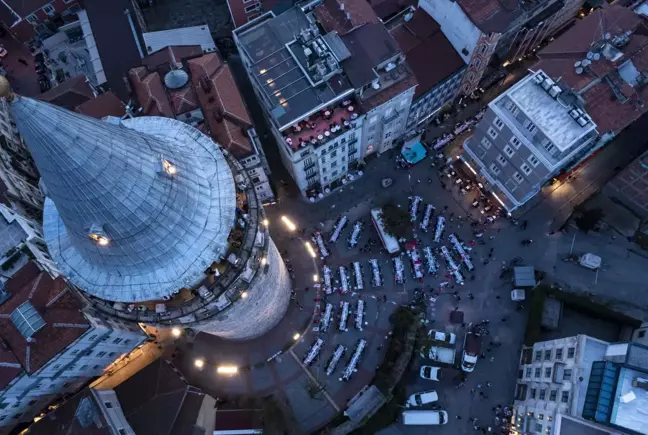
x=238 y=14
x=558 y=59
x=70 y=93
x=422 y=40
x=150 y=92
x=387 y=8
x=103 y=105
x=355 y=13
x=491 y=15
x=59 y=308
x=222 y=104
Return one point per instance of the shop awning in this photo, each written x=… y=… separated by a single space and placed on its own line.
x=414 y=152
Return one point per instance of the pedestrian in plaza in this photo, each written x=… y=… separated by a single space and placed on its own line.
x=481 y=394
x=488 y=384
x=470 y=296
x=458 y=417
x=472 y=391
x=492 y=359
x=455 y=293
x=505 y=318
x=497 y=297
x=479 y=386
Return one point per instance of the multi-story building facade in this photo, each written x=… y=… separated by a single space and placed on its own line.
x=335 y=88
x=21 y=241
x=630 y=187
x=594 y=81
x=551 y=380
x=504 y=32
x=184 y=83
x=48 y=346
x=437 y=66
x=527 y=135
x=26 y=20
x=584 y=381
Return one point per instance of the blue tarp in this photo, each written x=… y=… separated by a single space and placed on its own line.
x=414 y=153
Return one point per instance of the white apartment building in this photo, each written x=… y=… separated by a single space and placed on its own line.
x=334 y=92
x=21 y=241
x=48 y=346
x=553 y=380
x=527 y=136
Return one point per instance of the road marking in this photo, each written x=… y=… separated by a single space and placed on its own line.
x=312 y=378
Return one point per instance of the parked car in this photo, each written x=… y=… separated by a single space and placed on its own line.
x=431 y=373
x=424 y=418
x=446 y=337
x=440 y=354
x=472 y=349
x=422 y=398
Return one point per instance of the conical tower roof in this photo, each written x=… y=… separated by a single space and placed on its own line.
x=135 y=209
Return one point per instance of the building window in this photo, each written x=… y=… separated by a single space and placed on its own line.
x=537 y=372
x=533 y=160
x=498 y=123
x=501 y=160
x=570 y=352
x=538 y=427
x=49 y=10
x=564 y=397
x=552 y=395
x=518 y=177
x=538 y=355
x=117 y=340
x=494 y=169
x=532 y=393
x=547 y=372
x=108 y=405
x=641 y=333
x=540 y=416
x=508 y=151
x=100 y=354
x=492 y=133
x=548 y=430
x=32 y=19
x=547 y=355
x=531 y=128
x=252 y=8
x=486 y=143
x=92 y=337
x=543 y=394
x=525 y=168
x=559 y=353
x=567 y=375
x=527 y=372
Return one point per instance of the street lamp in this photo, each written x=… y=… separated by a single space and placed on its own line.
x=315 y=277
x=291 y=226
x=199 y=363
x=227 y=370
x=296 y=336
x=244 y=295
x=176 y=332
x=310 y=249
x=266 y=222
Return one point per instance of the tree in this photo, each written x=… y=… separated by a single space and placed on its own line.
x=396 y=221
x=588 y=219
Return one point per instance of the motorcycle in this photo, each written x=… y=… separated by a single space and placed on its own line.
x=526 y=242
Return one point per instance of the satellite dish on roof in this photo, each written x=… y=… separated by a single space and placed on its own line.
x=175 y=79
x=577 y=64
x=586 y=62
x=590 y=55
x=607 y=35
x=597 y=56
x=579 y=70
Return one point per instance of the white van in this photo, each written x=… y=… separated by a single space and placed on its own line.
x=424 y=417
x=422 y=398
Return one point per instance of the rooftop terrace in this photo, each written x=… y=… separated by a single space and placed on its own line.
x=296 y=69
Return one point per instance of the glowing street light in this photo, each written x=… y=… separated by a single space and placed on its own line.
x=176 y=332
x=199 y=363
x=310 y=249
x=264 y=261
x=266 y=222
x=291 y=226
x=227 y=370
x=296 y=336
x=244 y=295
x=315 y=277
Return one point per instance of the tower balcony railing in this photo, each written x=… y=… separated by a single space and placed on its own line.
x=229 y=285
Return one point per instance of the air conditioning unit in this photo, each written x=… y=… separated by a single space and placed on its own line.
x=539 y=78
x=555 y=91
x=582 y=121
x=547 y=84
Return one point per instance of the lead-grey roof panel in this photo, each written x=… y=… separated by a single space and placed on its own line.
x=164 y=231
